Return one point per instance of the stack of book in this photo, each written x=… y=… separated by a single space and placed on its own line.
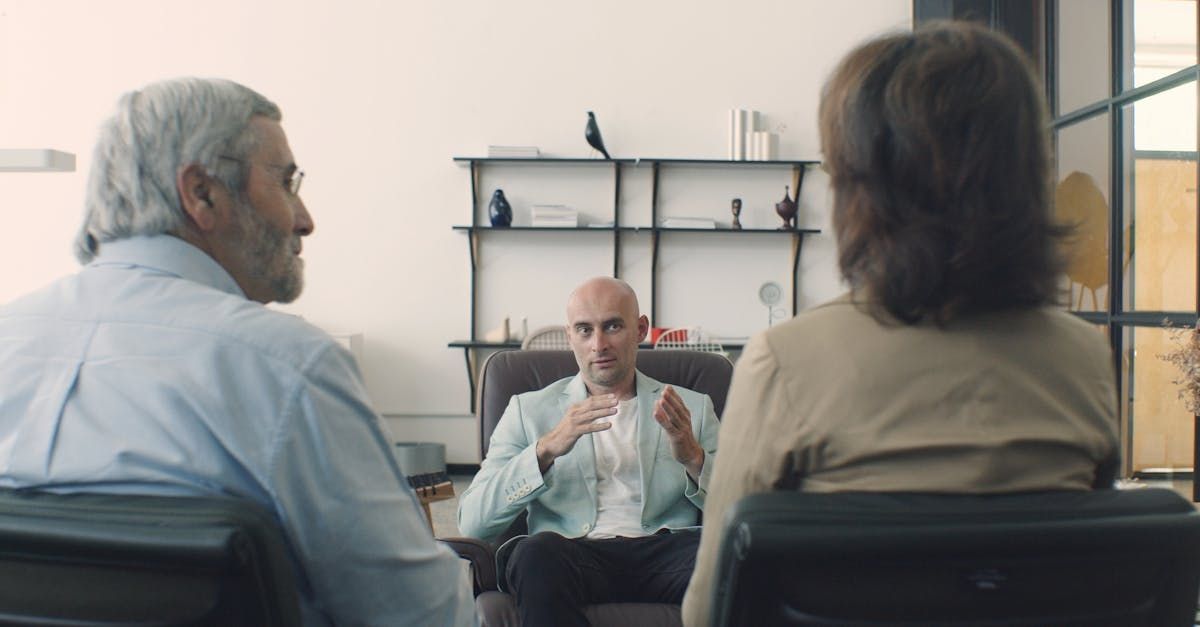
x=560 y=216
x=689 y=223
x=514 y=152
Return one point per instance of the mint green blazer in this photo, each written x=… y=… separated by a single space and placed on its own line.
x=564 y=500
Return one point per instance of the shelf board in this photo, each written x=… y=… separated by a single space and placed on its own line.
x=736 y=345
x=635 y=161
x=631 y=229
x=600 y=229
x=724 y=162
x=545 y=160
x=36 y=160
x=482 y=344
x=663 y=229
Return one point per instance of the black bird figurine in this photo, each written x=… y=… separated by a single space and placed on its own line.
x=592 y=134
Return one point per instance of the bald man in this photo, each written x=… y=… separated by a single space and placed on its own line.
x=611 y=465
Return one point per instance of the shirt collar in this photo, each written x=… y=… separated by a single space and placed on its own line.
x=169 y=254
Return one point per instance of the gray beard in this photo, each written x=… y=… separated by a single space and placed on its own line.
x=266 y=254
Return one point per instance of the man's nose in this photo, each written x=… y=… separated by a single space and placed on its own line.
x=304 y=223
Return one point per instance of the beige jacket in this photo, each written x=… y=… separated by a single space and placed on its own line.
x=1006 y=402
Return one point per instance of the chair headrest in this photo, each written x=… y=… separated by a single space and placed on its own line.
x=510 y=372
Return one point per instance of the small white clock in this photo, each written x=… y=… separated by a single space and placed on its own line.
x=770 y=293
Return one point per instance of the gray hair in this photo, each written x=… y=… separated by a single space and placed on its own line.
x=156 y=131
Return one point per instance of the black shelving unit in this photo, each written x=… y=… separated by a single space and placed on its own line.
x=475 y=230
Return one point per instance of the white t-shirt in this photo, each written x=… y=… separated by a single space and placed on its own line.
x=618 y=476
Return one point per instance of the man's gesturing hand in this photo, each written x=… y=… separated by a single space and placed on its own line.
x=676 y=421
x=581 y=418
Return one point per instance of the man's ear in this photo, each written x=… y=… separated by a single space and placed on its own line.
x=643 y=328
x=196 y=196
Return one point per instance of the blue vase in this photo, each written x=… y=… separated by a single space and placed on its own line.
x=499 y=210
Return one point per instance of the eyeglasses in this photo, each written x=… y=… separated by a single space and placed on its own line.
x=295 y=176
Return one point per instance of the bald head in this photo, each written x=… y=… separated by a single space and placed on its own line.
x=604 y=329
x=603 y=288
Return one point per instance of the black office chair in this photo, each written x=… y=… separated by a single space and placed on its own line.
x=91 y=559
x=1119 y=558
x=511 y=372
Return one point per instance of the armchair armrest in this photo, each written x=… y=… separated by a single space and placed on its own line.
x=482 y=557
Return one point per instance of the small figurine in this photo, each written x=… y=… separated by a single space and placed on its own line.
x=499 y=334
x=499 y=210
x=786 y=209
x=737 y=212
x=592 y=134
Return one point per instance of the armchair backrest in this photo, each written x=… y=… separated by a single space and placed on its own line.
x=1107 y=557
x=509 y=372
x=149 y=560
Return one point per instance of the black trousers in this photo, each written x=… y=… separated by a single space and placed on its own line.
x=553 y=578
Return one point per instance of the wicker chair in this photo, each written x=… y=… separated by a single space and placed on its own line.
x=552 y=338
x=688 y=339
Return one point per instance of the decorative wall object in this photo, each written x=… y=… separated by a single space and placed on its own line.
x=764 y=146
x=498 y=334
x=786 y=209
x=744 y=141
x=499 y=211
x=770 y=294
x=737 y=213
x=592 y=135
x=737 y=134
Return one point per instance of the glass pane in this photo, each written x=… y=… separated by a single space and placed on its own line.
x=1083 y=54
x=1164 y=39
x=1161 y=426
x=1160 y=261
x=1081 y=199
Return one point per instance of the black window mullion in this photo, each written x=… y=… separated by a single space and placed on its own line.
x=1117 y=210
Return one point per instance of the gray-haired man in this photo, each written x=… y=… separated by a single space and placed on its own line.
x=155 y=369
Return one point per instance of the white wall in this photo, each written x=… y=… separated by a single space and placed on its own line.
x=377 y=98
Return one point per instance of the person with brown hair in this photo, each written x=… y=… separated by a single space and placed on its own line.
x=947 y=367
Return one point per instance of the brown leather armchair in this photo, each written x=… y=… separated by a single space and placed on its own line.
x=510 y=372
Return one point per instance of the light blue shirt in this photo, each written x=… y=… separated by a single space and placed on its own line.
x=150 y=372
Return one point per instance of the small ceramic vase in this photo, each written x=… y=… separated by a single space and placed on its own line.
x=786 y=209
x=737 y=213
x=499 y=211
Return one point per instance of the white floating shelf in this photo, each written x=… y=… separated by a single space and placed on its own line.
x=36 y=160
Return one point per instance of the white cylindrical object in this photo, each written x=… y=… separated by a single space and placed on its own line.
x=756 y=146
x=771 y=147
x=739 y=135
x=733 y=134
x=750 y=128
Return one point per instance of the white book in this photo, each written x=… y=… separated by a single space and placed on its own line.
x=689 y=223
x=560 y=212
x=543 y=222
x=524 y=152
